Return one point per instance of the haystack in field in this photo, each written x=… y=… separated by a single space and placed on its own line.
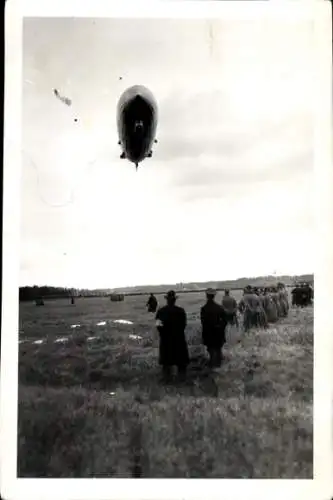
x=117 y=297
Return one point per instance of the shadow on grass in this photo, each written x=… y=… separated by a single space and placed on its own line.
x=78 y=433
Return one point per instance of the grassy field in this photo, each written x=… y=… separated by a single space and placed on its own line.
x=93 y=406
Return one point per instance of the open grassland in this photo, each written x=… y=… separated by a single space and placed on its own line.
x=93 y=406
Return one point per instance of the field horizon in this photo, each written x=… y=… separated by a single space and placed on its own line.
x=28 y=292
x=91 y=403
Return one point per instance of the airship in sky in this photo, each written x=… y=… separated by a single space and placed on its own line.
x=136 y=123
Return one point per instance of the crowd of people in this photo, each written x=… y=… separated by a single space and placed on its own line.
x=258 y=307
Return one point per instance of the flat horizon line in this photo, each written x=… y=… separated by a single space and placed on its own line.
x=275 y=276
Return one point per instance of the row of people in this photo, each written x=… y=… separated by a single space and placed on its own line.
x=259 y=307
x=171 y=322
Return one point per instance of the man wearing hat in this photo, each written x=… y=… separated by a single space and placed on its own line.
x=214 y=321
x=171 y=324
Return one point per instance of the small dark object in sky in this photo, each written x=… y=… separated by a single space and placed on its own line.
x=120 y=78
x=75 y=119
x=65 y=100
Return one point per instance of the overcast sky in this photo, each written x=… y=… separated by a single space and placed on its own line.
x=228 y=192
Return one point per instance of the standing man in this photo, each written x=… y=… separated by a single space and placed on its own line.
x=272 y=313
x=250 y=306
x=214 y=321
x=152 y=303
x=171 y=324
x=283 y=299
x=296 y=294
x=229 y=305
x=261 y=308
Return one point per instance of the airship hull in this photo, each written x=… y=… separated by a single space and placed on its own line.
x=136 y=123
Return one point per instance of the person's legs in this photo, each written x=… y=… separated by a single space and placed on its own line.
x=218 y=357
x=166 y=373
x=181 y=372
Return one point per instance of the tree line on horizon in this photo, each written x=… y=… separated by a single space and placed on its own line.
x=35 y=292
x=30 y=293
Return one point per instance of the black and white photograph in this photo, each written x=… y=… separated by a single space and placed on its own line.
x=167 y=247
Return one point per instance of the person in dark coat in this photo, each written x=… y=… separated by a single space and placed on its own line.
x=173 y=350
x=295 y=295
x=229 y=304
x=306 y=294
x=214 y=320
x=152 y=303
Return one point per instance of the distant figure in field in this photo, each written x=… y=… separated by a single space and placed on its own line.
x=40 y=301
x=152 y=303
x=214 y=321
x=173 y=350
x=72 y=300
x=229 y=305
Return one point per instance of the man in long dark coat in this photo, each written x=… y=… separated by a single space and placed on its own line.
x=152 y=303
x=306 y=294
x=214 y=320
x=173 y=350
x=297 y=294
